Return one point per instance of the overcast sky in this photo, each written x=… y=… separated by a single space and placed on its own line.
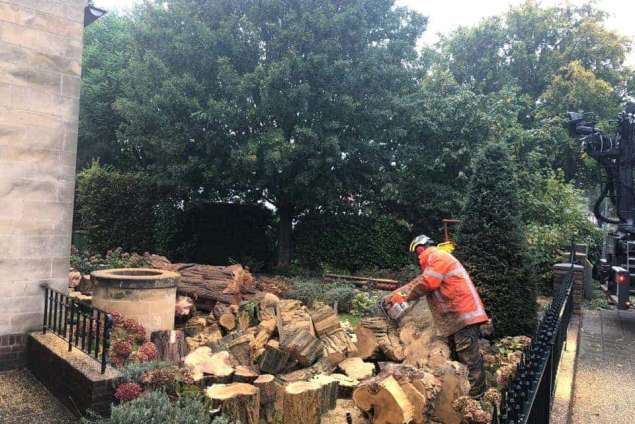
x=446 y=15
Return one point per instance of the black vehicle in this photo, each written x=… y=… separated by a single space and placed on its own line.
x=616 y=155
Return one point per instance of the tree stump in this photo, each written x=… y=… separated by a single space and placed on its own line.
x=268 y=391
x=239 y=401
x=328 y=391
x=171 y=345
x=301 y=403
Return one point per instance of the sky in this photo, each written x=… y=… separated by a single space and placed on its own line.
x=445 y=16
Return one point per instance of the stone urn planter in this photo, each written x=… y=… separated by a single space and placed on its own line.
x=143 y=294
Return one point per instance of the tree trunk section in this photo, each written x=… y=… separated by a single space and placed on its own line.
x=285 y=228
x=268 y=391
x=301 y=403
x=239 y=401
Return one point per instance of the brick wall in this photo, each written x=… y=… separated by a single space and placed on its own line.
x=12 y=347
x=40 y=69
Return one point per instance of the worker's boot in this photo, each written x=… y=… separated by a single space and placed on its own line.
x=468 y=353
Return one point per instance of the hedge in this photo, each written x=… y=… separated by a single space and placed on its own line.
x=115 y=209
x=351 y=242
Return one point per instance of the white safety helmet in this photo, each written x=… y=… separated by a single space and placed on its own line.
x=421 y=240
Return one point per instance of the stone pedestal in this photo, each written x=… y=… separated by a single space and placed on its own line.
x=560 y=276
x=145 y=295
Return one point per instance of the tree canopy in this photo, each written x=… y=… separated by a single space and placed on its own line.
x=330 y=107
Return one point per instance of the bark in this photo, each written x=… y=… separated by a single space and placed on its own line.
x=170 y=344
x=285 y=229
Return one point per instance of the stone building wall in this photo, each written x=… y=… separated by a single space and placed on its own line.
x=40 y=70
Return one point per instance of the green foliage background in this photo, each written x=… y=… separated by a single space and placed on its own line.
x=351 y=241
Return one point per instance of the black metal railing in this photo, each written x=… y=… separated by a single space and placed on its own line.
x=82 y=325
x=529 y=395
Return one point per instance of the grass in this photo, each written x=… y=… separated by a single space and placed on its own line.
x=352 y=319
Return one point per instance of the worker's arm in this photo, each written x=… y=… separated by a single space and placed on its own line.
x=417 y=287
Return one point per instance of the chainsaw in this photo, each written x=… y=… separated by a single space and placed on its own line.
x=396 y=310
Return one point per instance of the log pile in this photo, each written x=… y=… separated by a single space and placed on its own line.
x=207 y=285
x=276 y=360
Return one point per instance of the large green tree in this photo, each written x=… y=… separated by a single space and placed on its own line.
x=492 y=245
x=296 y=103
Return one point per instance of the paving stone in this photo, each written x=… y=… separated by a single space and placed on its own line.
x=605 y=370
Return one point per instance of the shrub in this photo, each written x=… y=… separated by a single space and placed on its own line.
x=309 y=291
x=492 y=246
x=156 y=407
x=554 y=212
x=85 y=262
x=127 y=391
x=351 y=241
x=133 y=372
x=116 y=208
x=364 y=303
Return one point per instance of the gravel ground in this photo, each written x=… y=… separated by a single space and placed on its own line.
x=604 y=387
x=25 y=400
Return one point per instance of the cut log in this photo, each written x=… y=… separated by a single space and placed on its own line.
x=418 y=401
x=195 y=325
x=183 y=306
x=376 y=335
x=357 y=369
x=346 y=385
x=273 y=360
x=227 y=321
x=301 y=403
x=386 y=399
x=338 y=346
x=244 y=374
x=268 y=391
x=239 y=401
x=202 y=361
x=293 y=317
x=223 y=343
x=454 y=384
x=268 y=306
x=240 y=348
x=328 y=391
x=303 y=347
x=324 y=319
x=207 y=284
x=266 y=329
x=171 y=345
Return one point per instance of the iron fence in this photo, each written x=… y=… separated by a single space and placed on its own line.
x=82 y=325
x=529 y=395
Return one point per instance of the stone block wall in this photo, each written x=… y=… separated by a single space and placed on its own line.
x=40 y=71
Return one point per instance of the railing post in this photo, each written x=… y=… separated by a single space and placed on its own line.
x=106 y=342
x=46 y=292
x=71 y=306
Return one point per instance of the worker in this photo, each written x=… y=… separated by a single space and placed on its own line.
x=456 y=307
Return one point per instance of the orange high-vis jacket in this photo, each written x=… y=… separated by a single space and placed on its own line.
x=452 y=296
